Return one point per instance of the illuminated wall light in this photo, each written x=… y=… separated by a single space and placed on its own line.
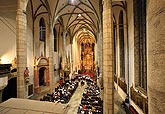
x=3 y=60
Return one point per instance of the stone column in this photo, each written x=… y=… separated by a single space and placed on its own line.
x=117 y=54
x=21 y=23
x=156 y=56
x=64 y=45
x=51 y=57
x=97 y=55
x=100 y=57
x=101 y=51
x=108 y=58
x=71 y=59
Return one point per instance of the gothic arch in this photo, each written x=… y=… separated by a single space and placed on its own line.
x=41 y=73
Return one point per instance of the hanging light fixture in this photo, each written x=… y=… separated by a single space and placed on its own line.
x=79 y=15
x=71 y=2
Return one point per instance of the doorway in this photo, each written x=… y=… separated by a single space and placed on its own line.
x=42 y=76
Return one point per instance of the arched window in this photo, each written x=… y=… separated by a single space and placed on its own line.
x=140 y=44
x=42 y=30
x=121 y=45
x=55 y=39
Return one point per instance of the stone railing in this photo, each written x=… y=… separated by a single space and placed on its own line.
x=140 y=100
x=122 y=85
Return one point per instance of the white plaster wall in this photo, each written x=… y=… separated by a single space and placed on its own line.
x=7 y=37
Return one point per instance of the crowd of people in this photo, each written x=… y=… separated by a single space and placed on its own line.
x=81 y=78
x=91 y=102
x=62 y=93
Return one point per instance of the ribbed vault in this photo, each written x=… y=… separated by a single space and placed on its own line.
x=77 y=15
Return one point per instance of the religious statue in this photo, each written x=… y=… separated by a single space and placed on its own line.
x=26 y=75
x=35 y=60
x=14 y=62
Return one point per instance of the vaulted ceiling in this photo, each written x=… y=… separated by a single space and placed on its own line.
x=74 y=16
x=8 y=7
x=77 y=17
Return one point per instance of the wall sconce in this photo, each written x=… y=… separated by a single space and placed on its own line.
x=2 y=60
